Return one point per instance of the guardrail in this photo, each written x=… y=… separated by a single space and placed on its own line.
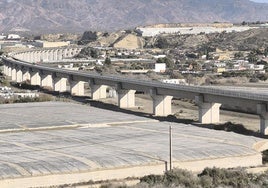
x=152 y=84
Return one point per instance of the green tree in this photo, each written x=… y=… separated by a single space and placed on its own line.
x=252 y=57
x=107 y=61
x=94 y=53
x=238 y=55
x=266 y=52
x=162 y=43
x=168 y=61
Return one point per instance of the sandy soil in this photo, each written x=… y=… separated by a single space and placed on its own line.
x=188 y=112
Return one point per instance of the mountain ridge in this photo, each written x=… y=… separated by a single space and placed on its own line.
x=110 y=15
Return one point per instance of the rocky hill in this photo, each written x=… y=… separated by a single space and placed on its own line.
x=246 y=40
x=108 y=15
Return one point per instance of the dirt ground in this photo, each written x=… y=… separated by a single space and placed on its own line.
x=188 y=112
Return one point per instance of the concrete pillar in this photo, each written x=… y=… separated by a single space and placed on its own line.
x=9 y=73
x=13 y=74
x=50 y=56
x=37 y=56
x=24 y=56
x=55 y=55
x=208 y=112
x=263 y=113
x=19 y=75
x=27 y=56
x=35 y=78
x=65 y=53
x=60 y=84
x=161 y=104
x=46 y=81
x=26 y=75
x=97 y=91
x=126 y=98
x=32 y=57
x=5 y=69
x=59 y=55
x=77 y=88
x=43 y=56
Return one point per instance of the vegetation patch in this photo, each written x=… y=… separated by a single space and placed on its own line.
x=208 y=178
x=265 y=157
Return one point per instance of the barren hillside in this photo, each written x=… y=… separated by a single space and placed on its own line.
x=73 y=15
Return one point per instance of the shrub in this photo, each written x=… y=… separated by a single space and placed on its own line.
x=179 y=177
x=152 y=179
x=265 y=156
x=233 y=178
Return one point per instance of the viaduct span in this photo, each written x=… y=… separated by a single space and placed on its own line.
x=20 y=68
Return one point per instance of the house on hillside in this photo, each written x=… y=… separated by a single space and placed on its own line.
x=13 y=37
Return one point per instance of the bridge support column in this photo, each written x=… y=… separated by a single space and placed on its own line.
x=208 y=112
x=35 y=78
x=9 y=71
x=263 y=113
x=5 y=70
x=161 y=104
x=60 y=84
x=77 y=88
x=46 y=81
x=13 y=73
x=26 y=75
x=97 y=91
x=126 y=98
x=19 y=75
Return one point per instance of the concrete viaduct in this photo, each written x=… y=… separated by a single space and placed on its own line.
x=208 y=99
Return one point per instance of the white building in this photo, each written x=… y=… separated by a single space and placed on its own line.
x=160 y=67
x=13 y=37
x=47 y=44
x=153 y=31
x=175 y=81
x=2 y=37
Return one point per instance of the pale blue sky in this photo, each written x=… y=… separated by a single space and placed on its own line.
x=261 y=1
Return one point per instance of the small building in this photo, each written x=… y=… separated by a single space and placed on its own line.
x=159 y=56
x=13 y=37
x=175 y=81
x=220 y=69
x=160 y=67
x=3 y=37
x=46 y=44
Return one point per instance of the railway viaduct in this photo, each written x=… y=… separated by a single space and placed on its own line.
x=22 y=66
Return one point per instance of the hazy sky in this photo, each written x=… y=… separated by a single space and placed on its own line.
x=261 y=1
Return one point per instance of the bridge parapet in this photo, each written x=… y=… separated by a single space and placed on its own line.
x=46 y=55
x=208 y=99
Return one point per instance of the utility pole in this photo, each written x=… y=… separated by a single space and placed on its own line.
x=170 y=147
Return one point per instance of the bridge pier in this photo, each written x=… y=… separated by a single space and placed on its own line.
x=263 y=113
x=35 y=78
x=9 y=72
x=208 y=112
x=77 y=87
x=60 y=84
x=161 y=104
x=126 y=98
x=97 y=91
x=5 y=69
x=19 y=75
x=46 y=81
x=26 y=75
x=13 y=73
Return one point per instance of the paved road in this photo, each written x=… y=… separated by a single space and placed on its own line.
x=104 y=139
